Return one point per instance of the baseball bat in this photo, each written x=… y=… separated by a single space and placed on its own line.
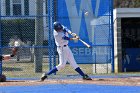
x=86 y=44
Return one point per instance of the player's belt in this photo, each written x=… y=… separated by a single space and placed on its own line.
x=65 y=45
x=62 y=46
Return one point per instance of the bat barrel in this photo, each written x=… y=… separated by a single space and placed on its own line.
x=84 y=43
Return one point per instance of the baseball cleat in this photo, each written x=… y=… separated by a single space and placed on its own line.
x=43 y=77
x=86 y=77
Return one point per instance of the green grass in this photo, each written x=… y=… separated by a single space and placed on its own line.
x=26 y=70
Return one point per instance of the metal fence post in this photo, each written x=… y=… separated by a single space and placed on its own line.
x=38 y=36
x=52 y=56
x=0 y=43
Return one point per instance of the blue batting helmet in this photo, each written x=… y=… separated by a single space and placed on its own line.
x=57 y=26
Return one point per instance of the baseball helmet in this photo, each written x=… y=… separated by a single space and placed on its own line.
x=57 y=26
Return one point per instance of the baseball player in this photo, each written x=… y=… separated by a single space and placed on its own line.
x=7 y=57
x=61 y=40
x=14 y=51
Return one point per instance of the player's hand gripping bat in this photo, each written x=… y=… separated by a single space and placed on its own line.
x=74 y=35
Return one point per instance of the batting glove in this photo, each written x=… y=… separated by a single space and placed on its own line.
x=74 y=38
x=73 y=34
x=77 y=37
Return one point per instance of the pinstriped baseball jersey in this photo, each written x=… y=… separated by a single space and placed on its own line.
x=58 y=36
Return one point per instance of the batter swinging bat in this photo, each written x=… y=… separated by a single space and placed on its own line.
x=84 y=43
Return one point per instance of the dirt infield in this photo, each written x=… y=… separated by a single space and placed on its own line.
x=130 y=81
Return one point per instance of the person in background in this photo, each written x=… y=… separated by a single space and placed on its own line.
x=14 y=52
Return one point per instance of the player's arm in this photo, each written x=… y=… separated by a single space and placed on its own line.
x=14 y=51
x=15 y=48
x=70 y=32
x=68 y=38
x=75 y=37
x=7 y=57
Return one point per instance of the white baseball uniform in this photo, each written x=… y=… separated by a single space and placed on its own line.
x=61 y=39
x=65 y=54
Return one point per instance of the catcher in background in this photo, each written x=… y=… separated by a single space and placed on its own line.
x=61 y=40
x=7 y=57
x=14 y=51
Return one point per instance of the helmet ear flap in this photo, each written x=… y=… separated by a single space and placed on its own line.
x=57 y=26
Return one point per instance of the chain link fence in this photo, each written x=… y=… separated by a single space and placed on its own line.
x=30 y=23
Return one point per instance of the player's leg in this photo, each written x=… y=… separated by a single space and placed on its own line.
x=61 y=65
x=44 y=75
x=73 y=63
